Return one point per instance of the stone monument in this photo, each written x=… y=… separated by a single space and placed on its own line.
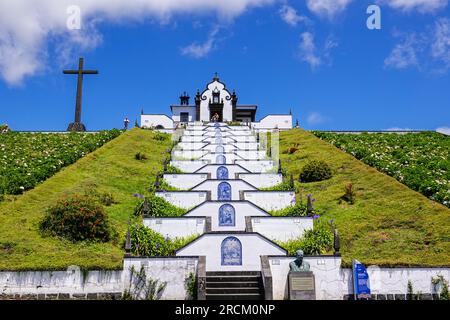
x=301 y=280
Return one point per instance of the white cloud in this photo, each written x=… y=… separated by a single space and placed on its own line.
x=290 y=16
x=312 y=55
x=444 y=130
x=26 y=27
x=440 y=46
x=327 y=8
x=428 y=50
x=404 y=54
x=197 y=50
x=315 y=118
x=420 y=5
x=398 y=129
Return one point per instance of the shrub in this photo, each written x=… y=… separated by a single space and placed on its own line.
x=159 y=136
x=149 y=243
x=297 y=210
x=106 y=199
x=140 y=156
x=77 y=218
x=291 y=150
x=315 y=241
x=283 y=186
x=155 y=206
x=350 y=194
x=315 y=171
x=191 y=285
x=171 y=169
x=143 y=287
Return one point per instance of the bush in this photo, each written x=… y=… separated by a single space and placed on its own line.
x=106 y=199
x=77 y=218
x=171 y=169
x=297 y=210
x=140 y=156
x=191 y=285
x=148 y=243
x=315 y=241
x=315 y=171
x=283 y=186
x=155 y=206
x=350 y=194
x=159 y=136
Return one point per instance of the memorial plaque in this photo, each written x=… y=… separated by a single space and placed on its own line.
x=301 y=286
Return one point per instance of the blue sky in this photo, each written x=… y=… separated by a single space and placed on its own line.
x=315 y=57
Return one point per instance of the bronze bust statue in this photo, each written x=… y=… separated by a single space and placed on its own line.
x=298 y=265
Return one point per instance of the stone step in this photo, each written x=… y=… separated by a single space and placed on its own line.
x=236 y=278
x=235 y=296
x=256 y=290
x=233 y=273
x=233 y=284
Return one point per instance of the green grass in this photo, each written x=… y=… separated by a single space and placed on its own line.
x=113 y=169
x=388 y=225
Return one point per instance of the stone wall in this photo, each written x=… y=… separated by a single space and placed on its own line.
x=172 y=270
x=188 y=166
x=242 y=209
x=176 y=227
x=184 y=199
x=256 y=166
x=270 y=200
x=70 y=284
x=335 y=283
x=262 y=180
x=185 y=181
x=281 y=228
x=236 y=187
x=253 y=245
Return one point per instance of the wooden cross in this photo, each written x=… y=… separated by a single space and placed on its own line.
x=77 y=125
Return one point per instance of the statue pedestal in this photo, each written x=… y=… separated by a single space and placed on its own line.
x=301 y=285
x=77 y=127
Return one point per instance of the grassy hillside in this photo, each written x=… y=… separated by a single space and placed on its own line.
x=113 y=169
x=389 y=224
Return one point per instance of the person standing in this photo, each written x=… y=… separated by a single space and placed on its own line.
x=125 y=123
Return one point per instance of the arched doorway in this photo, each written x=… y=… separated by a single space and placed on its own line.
x=224 y=191
x=231 y=252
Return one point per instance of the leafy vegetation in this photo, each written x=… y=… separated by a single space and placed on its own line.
x=148 y=243
x=155 y=206
x=172 y=169
x=27 y=159
x=316 y=170
x=388 y=225
x=299 y=209
x=77 y=219
x=314 y=242
x=143 y=287
x=110 y=169
x=191 y=285
x=419 y=160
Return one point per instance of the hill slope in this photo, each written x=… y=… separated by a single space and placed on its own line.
x=388 y=225
x=113 y=169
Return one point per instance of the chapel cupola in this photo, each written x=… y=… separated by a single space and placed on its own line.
x=184 y=99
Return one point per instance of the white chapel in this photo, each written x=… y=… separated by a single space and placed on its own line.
x=215 y=104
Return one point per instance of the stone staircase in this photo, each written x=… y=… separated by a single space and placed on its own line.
x=234 y=285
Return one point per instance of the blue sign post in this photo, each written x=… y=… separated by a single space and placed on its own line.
x=361 y=284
